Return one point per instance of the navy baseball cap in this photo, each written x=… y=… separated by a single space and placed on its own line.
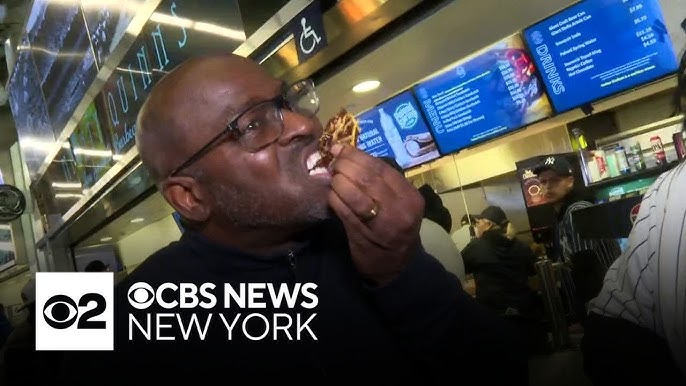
x=494 y=214
x=557 y=164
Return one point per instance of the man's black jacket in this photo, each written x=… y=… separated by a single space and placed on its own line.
x=419 y=328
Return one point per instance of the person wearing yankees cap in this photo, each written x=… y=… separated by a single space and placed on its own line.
x=589 y=258
x=235 y=152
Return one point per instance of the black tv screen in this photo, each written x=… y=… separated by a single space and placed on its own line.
x=598 y=48
x=29 y=110
x=107 y=23
x=492 y=93
x=396 y=128
x=91 y=148
x=63 y=55
x=176 y=31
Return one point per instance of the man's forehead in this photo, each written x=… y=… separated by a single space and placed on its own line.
x=226 y=85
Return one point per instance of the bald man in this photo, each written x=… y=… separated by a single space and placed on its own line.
x=235 y=152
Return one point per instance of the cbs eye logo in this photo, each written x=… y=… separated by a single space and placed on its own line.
x=61 y=312
x=74 y=311
x=141 y=295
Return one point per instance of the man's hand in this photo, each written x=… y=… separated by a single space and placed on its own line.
x=380 y=210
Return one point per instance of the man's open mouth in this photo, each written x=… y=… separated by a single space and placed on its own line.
x=315 y=166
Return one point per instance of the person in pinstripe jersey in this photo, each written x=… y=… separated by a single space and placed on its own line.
x=636 y=328
x=589 y=259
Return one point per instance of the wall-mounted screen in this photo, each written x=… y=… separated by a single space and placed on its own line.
x=123 y=95
x=493 y=92
x=63 y=55
x=91 y=147
x=59 y=188
x=396 y=128
x=7 y=250
x=598 y=48
x=176 y=31
x=107 y=24
x=29 y=111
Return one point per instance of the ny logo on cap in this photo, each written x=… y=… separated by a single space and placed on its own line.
x=550 y=161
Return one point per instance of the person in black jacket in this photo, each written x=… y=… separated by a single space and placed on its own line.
x=235 y=152
x=501 y=267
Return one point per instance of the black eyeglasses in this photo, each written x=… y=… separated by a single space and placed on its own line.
x=262 y=124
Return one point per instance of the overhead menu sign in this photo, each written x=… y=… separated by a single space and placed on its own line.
x=396 y=128
x=485 y=96
x=597 y=48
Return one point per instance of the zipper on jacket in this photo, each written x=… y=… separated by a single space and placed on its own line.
x=292 y=263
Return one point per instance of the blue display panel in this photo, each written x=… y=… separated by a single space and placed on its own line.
x=494 y=92
x=597 y=48
x=396 y=128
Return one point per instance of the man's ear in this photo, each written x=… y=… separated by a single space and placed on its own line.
x=188 y=197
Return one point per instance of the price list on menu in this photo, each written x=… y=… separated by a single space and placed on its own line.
x=645 y=34
x=514 y=88
x=598 y=48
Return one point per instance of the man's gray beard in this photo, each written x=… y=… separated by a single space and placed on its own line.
x=244 y=210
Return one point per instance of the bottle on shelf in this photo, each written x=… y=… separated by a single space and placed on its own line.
x=637 y=161
x=680 y=144
x=622 y=161
x=658 y=150
x=589 y=167
x=601 y=162
x=612 y=163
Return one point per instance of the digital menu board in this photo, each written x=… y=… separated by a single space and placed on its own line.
x=92 y=151
x=396 y=128
x=494 y=92
x=597 y=48
x=64 y=59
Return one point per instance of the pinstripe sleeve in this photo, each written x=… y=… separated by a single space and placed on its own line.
x=647 y=284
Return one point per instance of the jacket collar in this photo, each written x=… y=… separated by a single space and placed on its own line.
x=219 y=256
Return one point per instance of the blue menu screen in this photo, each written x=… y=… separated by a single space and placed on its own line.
x=495 y=91
x=597 y=48
x=395 y=128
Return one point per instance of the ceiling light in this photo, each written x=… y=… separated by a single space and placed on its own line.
x=67 y=185
x=68 y=195
x=366 y=86
x=137 y=219
x=106 y=239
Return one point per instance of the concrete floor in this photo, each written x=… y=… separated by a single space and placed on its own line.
x=562 y=368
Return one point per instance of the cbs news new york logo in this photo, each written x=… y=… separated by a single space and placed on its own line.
x=75 y=311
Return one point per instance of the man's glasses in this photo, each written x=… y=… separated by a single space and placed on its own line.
x=262 y=124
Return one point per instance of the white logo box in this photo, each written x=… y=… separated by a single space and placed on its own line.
x=75 y=311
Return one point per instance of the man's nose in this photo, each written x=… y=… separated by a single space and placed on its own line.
x=297 y=125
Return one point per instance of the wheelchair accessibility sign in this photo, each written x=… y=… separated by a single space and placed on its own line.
x=308 y=32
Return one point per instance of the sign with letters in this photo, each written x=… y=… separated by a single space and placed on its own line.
x=167 y=39
x=308 y=32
